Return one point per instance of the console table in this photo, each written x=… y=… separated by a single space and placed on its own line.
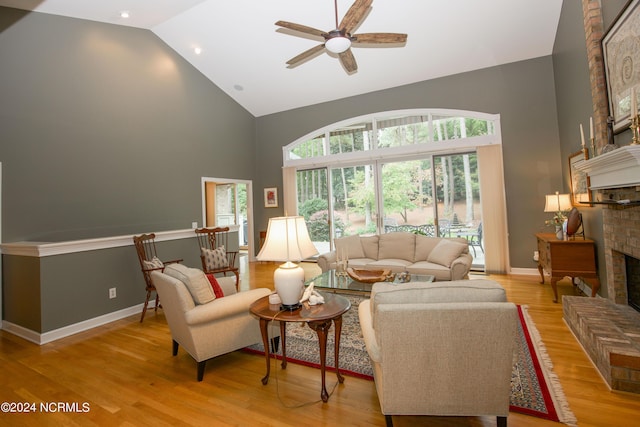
x=562 y=258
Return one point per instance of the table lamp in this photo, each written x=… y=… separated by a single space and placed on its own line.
x=288 y=240
x=558 y=203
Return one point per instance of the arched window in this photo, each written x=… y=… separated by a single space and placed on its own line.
x=424 y=170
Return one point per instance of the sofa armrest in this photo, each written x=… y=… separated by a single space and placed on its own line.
x=224 y=307
x=368 y=333
x=461 y=266
x=326 y=260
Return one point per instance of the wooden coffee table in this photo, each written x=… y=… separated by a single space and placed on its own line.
x=318 y=317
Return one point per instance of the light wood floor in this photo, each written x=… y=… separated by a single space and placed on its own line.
x=126 y=374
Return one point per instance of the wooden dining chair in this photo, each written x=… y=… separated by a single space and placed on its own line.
x=214 y=252
x=148 y=256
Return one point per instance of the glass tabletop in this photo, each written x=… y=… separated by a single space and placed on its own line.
x=330 y=280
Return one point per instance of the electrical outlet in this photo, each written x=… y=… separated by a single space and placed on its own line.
x=112 y=293
x=194 y=224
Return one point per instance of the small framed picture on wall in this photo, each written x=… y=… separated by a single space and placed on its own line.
x=271 y=197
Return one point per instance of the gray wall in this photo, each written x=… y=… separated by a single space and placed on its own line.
x=522 y=93
x=575 y=106
x=105 y=130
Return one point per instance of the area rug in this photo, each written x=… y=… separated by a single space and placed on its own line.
x=535 y=389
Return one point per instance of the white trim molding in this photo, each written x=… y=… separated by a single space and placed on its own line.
x=43 y=249
x=47 y=337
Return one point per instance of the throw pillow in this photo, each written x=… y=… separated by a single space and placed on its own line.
x=215 y=258
x=217 y=290
x=195 y=281
x=397 y=245
x=446 y=252
x=349 y=245
x=153 y=264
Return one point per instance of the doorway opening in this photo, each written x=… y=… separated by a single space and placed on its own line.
x=228 y=203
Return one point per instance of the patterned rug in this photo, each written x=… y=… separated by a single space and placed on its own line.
x=535 y=389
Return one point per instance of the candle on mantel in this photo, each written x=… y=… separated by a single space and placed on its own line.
x=634 y=104
x=590 y=128
x=582 y=135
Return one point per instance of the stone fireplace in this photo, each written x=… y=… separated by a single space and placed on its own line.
x=609 y=328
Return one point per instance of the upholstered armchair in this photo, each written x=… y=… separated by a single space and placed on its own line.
x=207 y=321
x=441 y=349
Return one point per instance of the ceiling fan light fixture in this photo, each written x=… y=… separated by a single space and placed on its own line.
x=338 y=44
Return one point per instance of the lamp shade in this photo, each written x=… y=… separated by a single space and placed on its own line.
x=287 y=240
x=557 y=202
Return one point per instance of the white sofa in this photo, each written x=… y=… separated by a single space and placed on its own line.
x=444 y=258
x=455 y=359
x=203 y=324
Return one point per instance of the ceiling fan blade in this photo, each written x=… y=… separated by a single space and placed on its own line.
x=348 y=61
x=354 y=15
x=305 y=55
x=375 y=38
x=301 y=28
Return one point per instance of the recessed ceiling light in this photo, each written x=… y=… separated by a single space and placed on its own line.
x=124 y=14
x=238 y=87
x=197 y=50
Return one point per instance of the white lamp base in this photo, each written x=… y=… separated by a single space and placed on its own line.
x=289 y=284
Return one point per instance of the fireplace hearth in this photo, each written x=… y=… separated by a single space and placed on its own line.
x=609 y=328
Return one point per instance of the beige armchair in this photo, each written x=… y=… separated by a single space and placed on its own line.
x=204 y=325
x=442 y=349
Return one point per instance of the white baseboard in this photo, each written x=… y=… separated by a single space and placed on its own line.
x=524 y=272
x=47 y=337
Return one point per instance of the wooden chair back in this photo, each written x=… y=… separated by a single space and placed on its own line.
x=212 y=239
x=145 y=245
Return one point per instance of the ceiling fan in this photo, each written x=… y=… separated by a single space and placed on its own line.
x=340 y=40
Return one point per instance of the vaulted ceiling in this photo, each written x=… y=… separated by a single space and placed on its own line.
x=244 y=53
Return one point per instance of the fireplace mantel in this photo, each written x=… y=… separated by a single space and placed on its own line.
x=615 y=169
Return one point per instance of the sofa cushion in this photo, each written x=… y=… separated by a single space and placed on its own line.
x=446 y=251
x=370 y=246
x=439 y=272
x=397 y=245
x=393 y=264
x=424 y=246
x=481 y=290
x=361 y=263
x=350 y=244
x=195 y=281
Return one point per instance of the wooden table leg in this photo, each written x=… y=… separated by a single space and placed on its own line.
x=283 y=338
x=321 y=328
x=554 y=286
x=264 y=325
x=338 y=323
x=541 y=270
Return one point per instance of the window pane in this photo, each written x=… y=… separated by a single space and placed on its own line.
x=446 y=128
x=354 y=200
x=307 y=149
x=399 y=131
x=407 y=200
x=355 y=137
x=313 y=205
